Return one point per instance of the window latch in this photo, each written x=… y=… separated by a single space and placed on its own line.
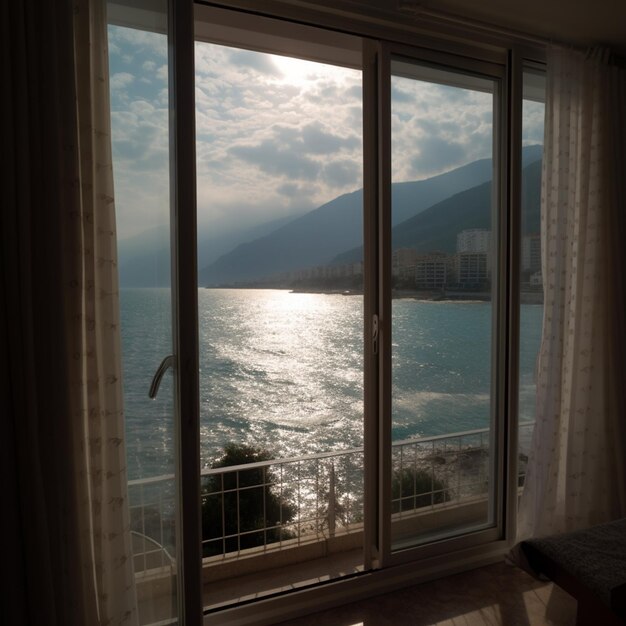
x=375 y=325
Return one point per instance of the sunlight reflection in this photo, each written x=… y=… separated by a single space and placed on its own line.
x=301 y=73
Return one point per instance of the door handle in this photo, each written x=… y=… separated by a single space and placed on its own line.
x=375 y=330
x=167 y=362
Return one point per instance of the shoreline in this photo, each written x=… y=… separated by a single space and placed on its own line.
x=526 y=297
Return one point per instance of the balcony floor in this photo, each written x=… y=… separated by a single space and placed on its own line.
x=252 y=586
x=496 y=595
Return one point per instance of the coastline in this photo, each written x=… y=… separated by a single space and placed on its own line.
x=526 y=297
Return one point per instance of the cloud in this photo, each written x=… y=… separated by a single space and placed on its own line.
x=436 y=128
x=289 y=189
x=399 y=95
x=263 y=140
x=120 y=80
x=274 y=137
x=278 y=160
x=316 y=139
x=133 y=42
x=162 y=73
x=260 y=63
x=434 y=154
x=301 y=153
x=343 y=174
x=533 y=117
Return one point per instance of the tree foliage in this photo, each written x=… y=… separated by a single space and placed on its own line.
x=413 y=488
x=241 y=509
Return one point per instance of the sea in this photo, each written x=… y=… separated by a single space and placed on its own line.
x=283 y=371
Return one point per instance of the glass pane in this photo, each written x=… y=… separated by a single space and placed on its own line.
x=443 y=277
x=280 y=320
x=531 y=284
x=138 y=57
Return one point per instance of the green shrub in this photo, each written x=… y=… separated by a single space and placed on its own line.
x=415 y=487
x=242 y=505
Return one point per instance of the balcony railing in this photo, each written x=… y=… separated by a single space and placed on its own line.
x=285 y=503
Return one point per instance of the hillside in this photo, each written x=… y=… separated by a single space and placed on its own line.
x=144 y=259
x=436 y=227
x=319 y=236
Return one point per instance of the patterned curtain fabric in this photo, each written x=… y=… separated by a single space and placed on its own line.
x=95 y=331
x=577 y=463
x=66 y=528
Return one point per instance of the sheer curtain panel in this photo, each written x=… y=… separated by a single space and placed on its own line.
x=65 y=517
x=577 y=464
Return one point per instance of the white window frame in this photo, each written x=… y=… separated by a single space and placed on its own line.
x=465 y=51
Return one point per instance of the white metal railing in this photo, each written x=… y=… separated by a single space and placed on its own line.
x=439 y=469
x=269 y=505
x=266 y=503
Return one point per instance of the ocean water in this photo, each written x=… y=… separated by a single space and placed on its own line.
x=283 y=371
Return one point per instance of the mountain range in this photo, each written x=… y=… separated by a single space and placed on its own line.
x=436 y=228
x=144 y=259
x=426 y=214
x=332 y=233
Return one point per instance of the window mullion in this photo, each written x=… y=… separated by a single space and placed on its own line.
x=384 y=300
x=185 y=309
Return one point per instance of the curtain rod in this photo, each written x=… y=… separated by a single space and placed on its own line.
x=418 y=10
x=608 y=55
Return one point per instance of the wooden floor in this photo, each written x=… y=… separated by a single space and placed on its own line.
x=495 y=595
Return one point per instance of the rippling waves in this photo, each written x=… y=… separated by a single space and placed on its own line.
x=283 y=371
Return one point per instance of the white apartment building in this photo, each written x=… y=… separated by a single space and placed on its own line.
x=403 y=262
x=531 y=253
x=471 y=268
x=433 y=270
x=431 y=273
x=474 y=240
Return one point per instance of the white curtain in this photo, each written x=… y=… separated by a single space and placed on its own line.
x=95 y=331
x=577 y=463
x=66 y=528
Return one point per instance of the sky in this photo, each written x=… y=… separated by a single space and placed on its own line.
x=275 y=136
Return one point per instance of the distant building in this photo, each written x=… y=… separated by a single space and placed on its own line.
x=536 y=279
x=474 y=240
x=403 y=262
x=531 y=253
x=471 y=269
x=356 y=268
x=345 y=270
x=323 y=272
x=432 y=271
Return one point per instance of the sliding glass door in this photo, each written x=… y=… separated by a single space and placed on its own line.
x=443 y=273
x=441 y=387
x=140 y=108
x=280 y=305
x=334 y=307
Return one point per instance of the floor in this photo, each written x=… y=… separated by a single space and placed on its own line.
x=496 y=595
x=286 y=578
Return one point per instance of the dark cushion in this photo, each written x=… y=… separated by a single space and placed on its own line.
x=596 y=557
